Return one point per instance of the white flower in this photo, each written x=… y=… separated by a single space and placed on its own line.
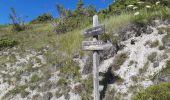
x=157 y=2
x=140 y=2
x=137 y=13
x=147 y=6
x=135 y=8
x=129 y=6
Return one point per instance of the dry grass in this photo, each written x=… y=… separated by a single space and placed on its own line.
x=115 y=22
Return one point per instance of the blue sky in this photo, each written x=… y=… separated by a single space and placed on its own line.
x=29 y=9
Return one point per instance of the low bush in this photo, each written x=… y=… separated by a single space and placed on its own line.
x=15 y=91
x=110 y=93
x=154 y=44
x=87 y=87
x=156 y=92
x=43 y=18
x=165 y=39
x=166 y=70
x=35 y=78
x=162 y=47
x=145 y=15
x=7 y=42
x=119 y=60
x=144 y=68
x=152 y=57
x=70 y=70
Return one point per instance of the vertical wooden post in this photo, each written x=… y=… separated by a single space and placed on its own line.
x=95 y=64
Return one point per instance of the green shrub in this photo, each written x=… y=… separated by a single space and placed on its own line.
x=35 y=78
x=87 y=87
x=144 y=68
x=152 y=57
x=145 y=15
x=106 y=37
x=15 y=91
x=70 y=69
x=134 y=78
x=162 y=47
x=69 y=20
x=62 y=82
x=7 y=42
x=131 y=63
x=24 y=94
x=43 y=18
x=119 y=60
x=18 y=27
x=110 y=93
x=166 y=70
x=156 y=92
x=154 y=44
x=165 y=39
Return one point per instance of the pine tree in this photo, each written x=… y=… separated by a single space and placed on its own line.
x=79 y=7
x=80 y=4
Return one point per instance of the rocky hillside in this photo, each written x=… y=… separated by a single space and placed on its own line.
x=39 y=64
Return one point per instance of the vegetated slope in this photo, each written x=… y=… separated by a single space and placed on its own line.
x=39 y=64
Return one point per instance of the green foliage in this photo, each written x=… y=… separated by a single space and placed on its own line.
x=131 y=63
x=144 y=68
x=162 y=2
x=134 y=78
x=43 y=18
x=62 y=82
x=61 y=10
x=70 y=42
x=145 y=15
x=114 y=23
x=118 y=7
x=35 y=78
x=165 y=39
x=24 y=94
x=18 y=89
x=119 y=60
x=166 y=70
x=70 y=69
x=87 y=88
x=7 y=42
x=15 y=91
x=152 y=44
x=79 y=18
x=152 y=57
x=110 y=93
x=156 y=92
x=106 y=37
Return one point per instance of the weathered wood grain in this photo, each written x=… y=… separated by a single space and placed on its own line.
x=98 y=30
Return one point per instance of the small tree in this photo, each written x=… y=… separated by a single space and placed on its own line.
x=61 y=10
x=17 y=22
x=80 y=4
x=79 y=7
x=90 y=10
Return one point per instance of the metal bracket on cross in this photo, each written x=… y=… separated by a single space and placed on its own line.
x=95 y=46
